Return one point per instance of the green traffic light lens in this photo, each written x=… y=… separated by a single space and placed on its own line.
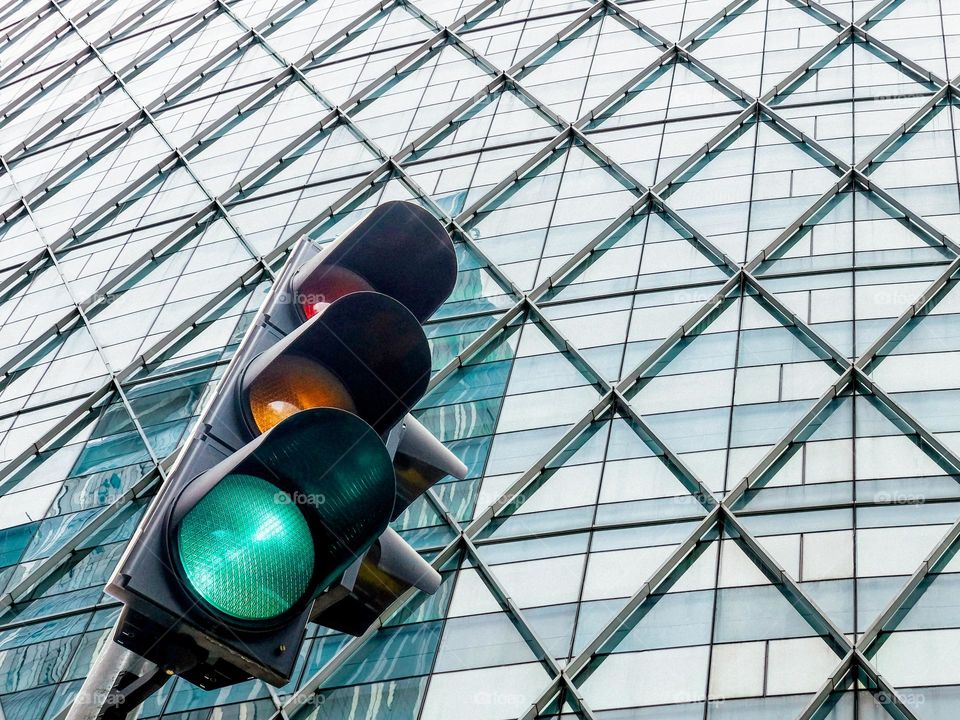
x=246 y=549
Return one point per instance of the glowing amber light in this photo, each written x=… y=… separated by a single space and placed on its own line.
x=326 y=285
x=291 y=384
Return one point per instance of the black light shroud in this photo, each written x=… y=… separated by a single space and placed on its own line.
x=400 y=249
x=374 y=346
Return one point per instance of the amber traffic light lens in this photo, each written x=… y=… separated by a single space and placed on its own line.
x=290 y=384
x=328 y=283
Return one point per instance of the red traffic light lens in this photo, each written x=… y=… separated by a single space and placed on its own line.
x=290 y=384
x=326 y=284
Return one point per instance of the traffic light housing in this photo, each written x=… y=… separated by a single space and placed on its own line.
x=277 y=510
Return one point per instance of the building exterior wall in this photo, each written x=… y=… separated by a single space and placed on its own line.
x=701 y=358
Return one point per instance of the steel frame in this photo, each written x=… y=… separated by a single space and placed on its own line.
x=612 y=397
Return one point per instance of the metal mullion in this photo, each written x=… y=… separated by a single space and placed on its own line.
x=683 y=331
x=468 y=50
x=502 y=79
x=908 y=314
x=558 y=301
x=580 y=20
x=472 y=13
x=944 y=93
x=574 y=697
x=898 y=602
x=703 y=494
x=26 y=57
x=669 y=565
x=8 y=10
x=295 y=703
x=744 y=116
x=783 y=274
x=368 y=181
x=872 y=12
x=773 y=568
x=26 y=24
x=498 y=189
x=508 y=605
x=481 y=520
x=142 y=488
x=194 y=22
x=822 y=10
x=775 y=452
x=920 y=223
x=253 y=176
x=627 y=17
x=546 y=696
x=845 y=181
x=746 y=512
x=476 y=345
x=688 y=57
x=60 y=614
x=927 y=437
x=794 y=320
x=119 y=376
x=906 y=65
x=665 y=57
x=807 y=67
x=584 y=367
x=613 y=167
x=558 y=275
x=12 y=68
x=840 y=166
x=423 y=16
x=832 y=684
x=343 y=34
x=883 y=686
x=540 y=106
x=138 y=427
x=430 y=133
x=719 y=257
x=505 y=282
x=595 y=526
x=421 y=52
x=710 y=23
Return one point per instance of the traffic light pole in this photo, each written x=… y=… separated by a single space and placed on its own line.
x=117 y=684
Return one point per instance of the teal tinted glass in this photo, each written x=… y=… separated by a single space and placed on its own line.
x=246 y=549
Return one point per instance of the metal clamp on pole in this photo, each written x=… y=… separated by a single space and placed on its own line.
x=118 y=681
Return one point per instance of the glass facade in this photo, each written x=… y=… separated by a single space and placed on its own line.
x=698 y=359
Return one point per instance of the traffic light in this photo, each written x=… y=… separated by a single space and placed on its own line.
x=278 y=510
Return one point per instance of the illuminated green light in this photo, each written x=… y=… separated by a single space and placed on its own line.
x=246 y=549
